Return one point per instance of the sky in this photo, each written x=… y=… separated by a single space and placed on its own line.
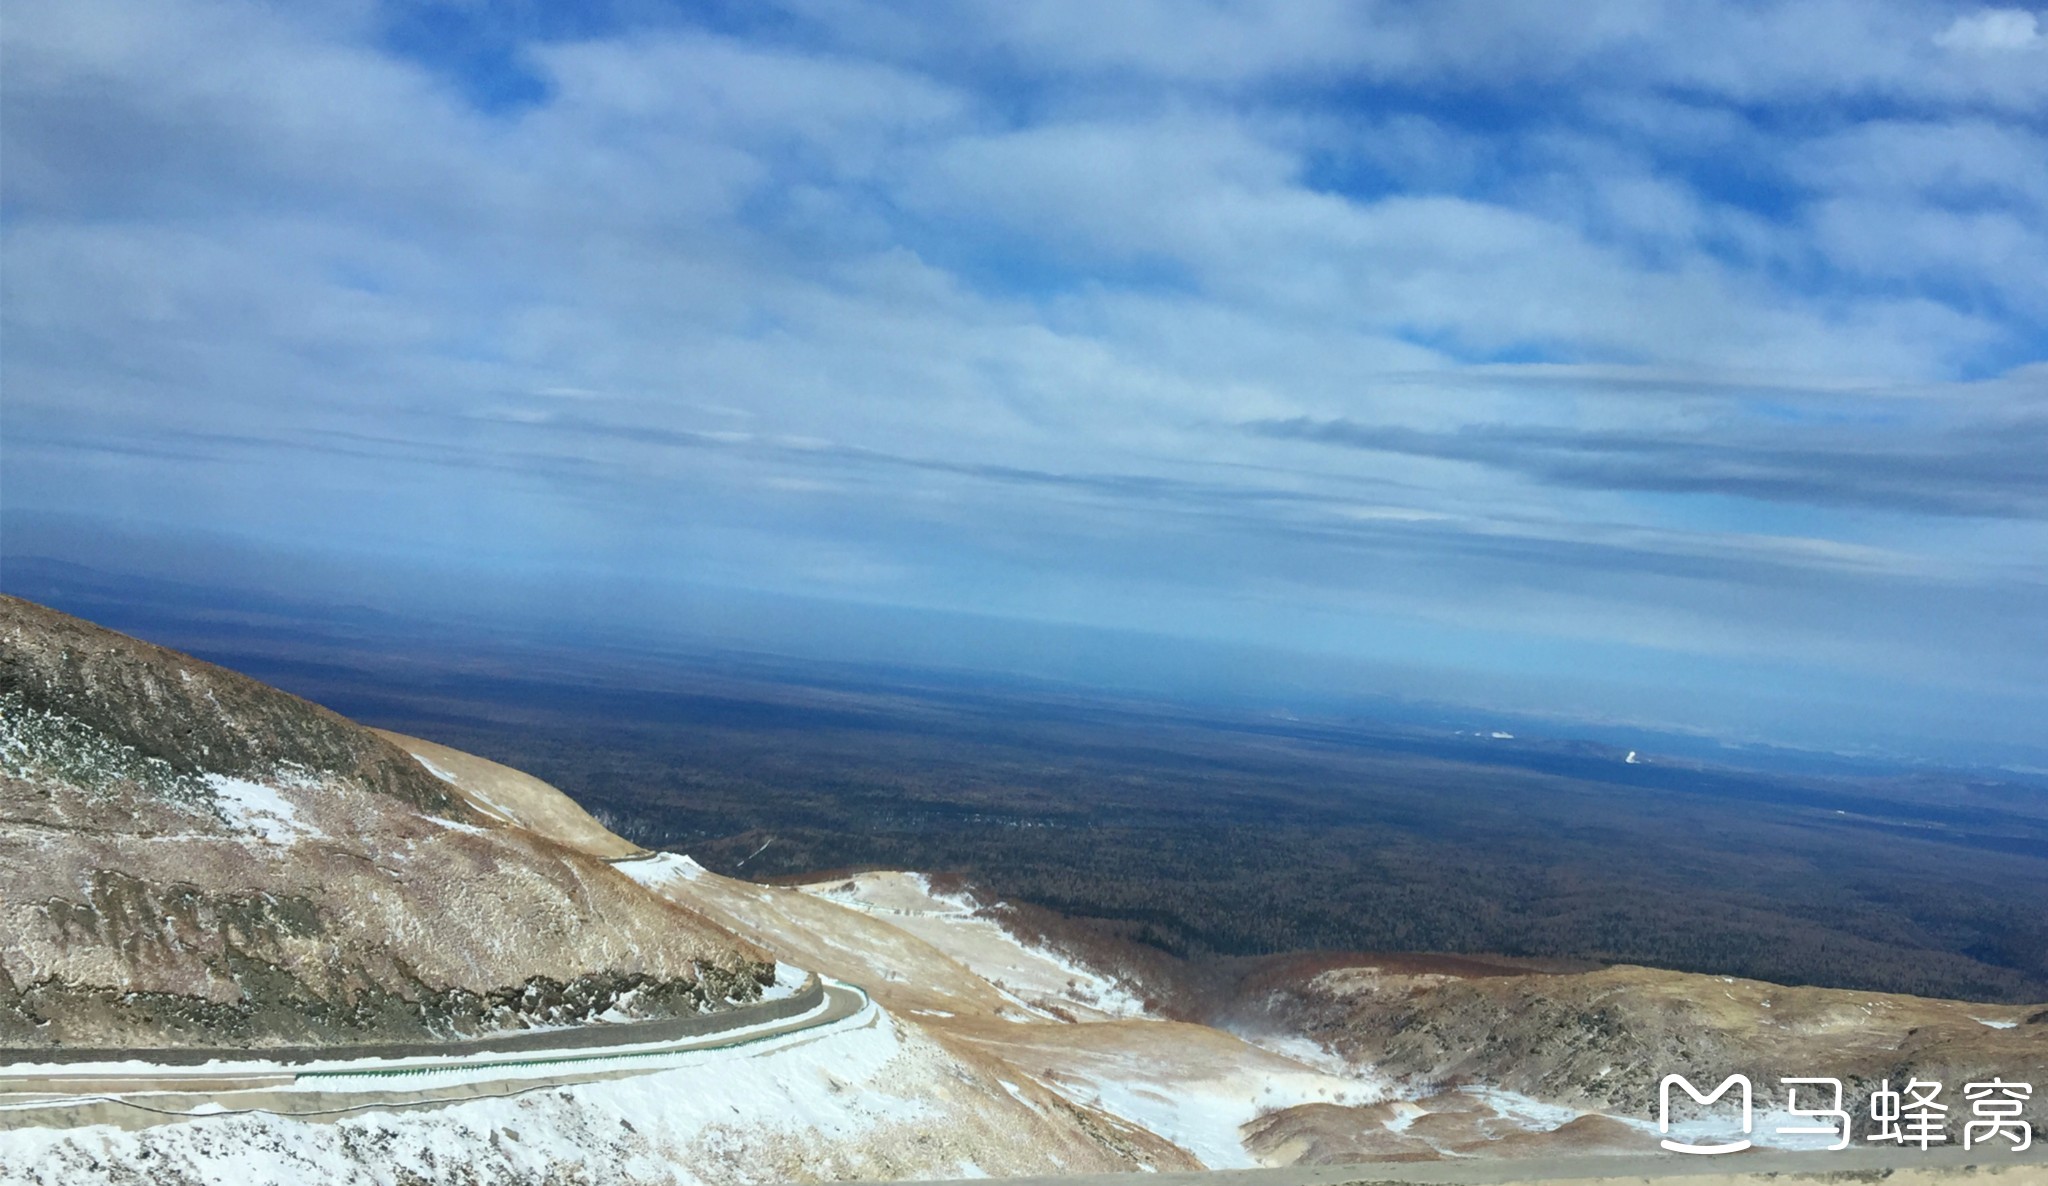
x=1671 y=363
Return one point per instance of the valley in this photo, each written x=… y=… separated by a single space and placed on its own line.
x=892 y=1023
x=1222 y=832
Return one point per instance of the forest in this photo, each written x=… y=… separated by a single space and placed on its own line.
x=1214 y=832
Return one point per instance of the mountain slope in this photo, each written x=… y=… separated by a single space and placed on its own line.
x=514 y=797
x=188 y=857
x=1599 y=1042
x=1323 y=1059
x=191 y=858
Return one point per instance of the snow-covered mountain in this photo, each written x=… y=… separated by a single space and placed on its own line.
x=191 y=859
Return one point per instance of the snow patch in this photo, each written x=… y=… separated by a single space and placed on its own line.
x=1310 y=1054
x=789 y=980
x=1997 y=1025
x=1526 y=1112
x=1033 y=977
x=258 y=809
x=1404 y=1113
x=660 y=869
x=475 y=794
x=1205 y=1116
x=730 y=1116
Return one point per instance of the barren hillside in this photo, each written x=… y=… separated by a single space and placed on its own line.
x=189 y=857
x=1599 y=1041
x=1319 y=1059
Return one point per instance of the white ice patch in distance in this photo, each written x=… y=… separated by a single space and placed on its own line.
x=1206 y=1115
x=258 y=809
x=663 y=868
x=473 y=794
x=1311 y=1054
x=1026 y=974
x=1525 y=1111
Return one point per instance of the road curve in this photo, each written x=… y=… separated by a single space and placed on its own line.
x=47 y=1096
x=669 y=1029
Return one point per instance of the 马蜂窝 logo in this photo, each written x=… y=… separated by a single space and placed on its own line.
x=1909 y=1116
x=1705 y=1101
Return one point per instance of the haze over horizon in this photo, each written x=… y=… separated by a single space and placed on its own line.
x=1671 y=363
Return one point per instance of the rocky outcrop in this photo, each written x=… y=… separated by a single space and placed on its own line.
x=188 y=717
x=189 y=857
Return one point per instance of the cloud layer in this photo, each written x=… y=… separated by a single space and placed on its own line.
x=1692 y=345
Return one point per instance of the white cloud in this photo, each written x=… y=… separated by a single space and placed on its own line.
x=1997 y=30
x=735 y=92
x=1790 y=50
x=1960 y=161
x=1022 y=331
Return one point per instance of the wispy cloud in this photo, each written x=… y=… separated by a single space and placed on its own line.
x=1979 y=471
x=1295 y=321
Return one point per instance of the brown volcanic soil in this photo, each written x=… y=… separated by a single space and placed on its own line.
x=190 y=857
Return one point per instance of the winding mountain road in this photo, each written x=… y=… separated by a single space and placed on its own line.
x=133 y=1088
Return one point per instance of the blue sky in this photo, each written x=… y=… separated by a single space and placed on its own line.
x=1676 y=363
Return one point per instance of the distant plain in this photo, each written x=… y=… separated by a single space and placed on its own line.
x=1204 y=831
